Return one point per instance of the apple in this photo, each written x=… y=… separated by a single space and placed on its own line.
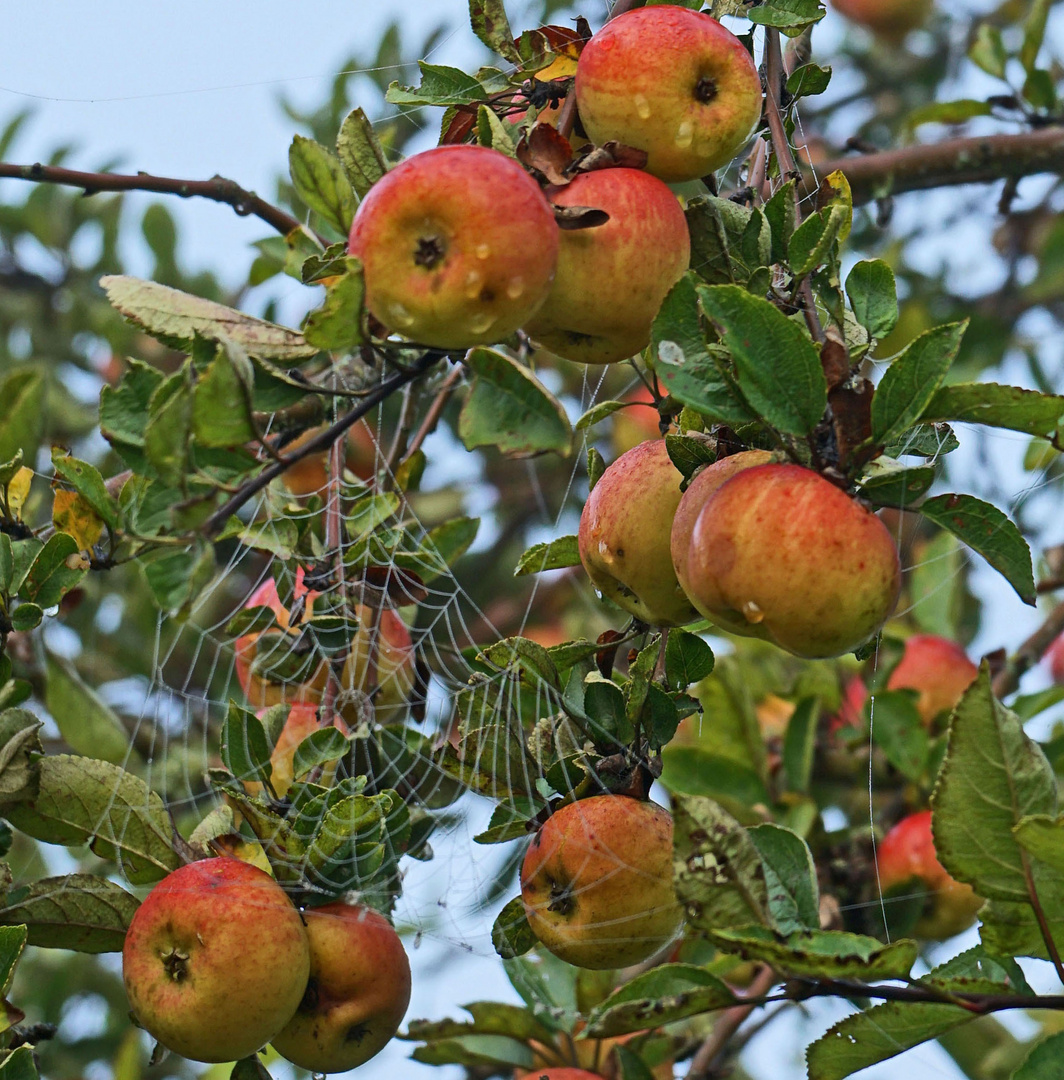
x=672 y=82
x=596 y=882
x=566 y=1072
x=261 y=691
x=309 y=475
x=891 y=19
x=907 y=860
x=780 y=553
x=699 y=490
x=1055 y=659
x=636 y=424
x=302 y=720
x=215 y=960
x=611 y=279
x=590 y=1053
x=624 y=536
x=357 y=993
x=381 y=662
x=458 y=247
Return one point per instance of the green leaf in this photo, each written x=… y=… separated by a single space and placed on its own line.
x=1043 y=1062
x=84 y=801
x=911 y=381
x=509 y=408
x=245 y=750
x=20 y=749
x=986 y=530
x=489 y=22
x=900 y=733
x=55 y=571
x=176 y=578
x=176 y=318
x=668 y=993
x=1034 y=32
x=12 y=943
x=124 y=411
x=829 y=954
x=511 y=935
x=1043 y=837
x=799 y=742
x=790 y=876
x=20 y=1064
x=887 y=482
x=337 y=324
x=717 y=870
x=488 y=1018
x=778 y=367
x=318 y=748
x=85 y=721
x=22 y=421
x=717 y=227
x=168 y=432
x=992 y=778
x=360 y=152
x=781 y=214
x=86 y=480
x=689 y=454
x=808 y=81
x=80 y=912
x=814 y=240
x=444 y=546
x=790 y=15
x=440 y=85
x=688 y=659
x=320 y=181
x=873 y=296
x=26 y=617
x=222 y=399
x=948 y=112
x=988 y=50
x=694 y=770
x=478 y=1050
x=999 y=406
x=936 y=586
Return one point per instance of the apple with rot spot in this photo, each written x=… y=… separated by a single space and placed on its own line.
x=267 y=645
x=309 y=475
x=381 y=662
x=890 y=19
x=778 y=552
x=357 y=992
x=624 y=536
x=907 y=860
x=705 y=484
x=458 y=246
x=596 y=882
x=215 y=960
x=672 y=82
x=612 y=278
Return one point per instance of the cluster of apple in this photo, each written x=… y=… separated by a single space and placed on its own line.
x=460 y=246
x=761 y=547
x=328 y=986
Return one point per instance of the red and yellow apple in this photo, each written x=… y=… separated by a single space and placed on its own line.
x=638 y=423
x=381 y=662
x=891 y=19
x=302 y=720
x=357 y=992
x=566 y=1072
x=596 y=882
x=612 y=278
x=260 y=690
x=215 y=960
x=907 y=861
x=780 y=553
x=672 y=82
x=1055 y=659
x=458 y=245
x=624 y=536
x=309 y=475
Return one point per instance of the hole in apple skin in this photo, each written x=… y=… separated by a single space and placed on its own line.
x=430 y=252
x=705 y=90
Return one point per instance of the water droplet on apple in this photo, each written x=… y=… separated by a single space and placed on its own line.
x=642 y=106
x=752 y=612
x=482 y=251
x=474 y=280
x=399 y=315
x=481 y=322
x=685 y=134
x=516 y=289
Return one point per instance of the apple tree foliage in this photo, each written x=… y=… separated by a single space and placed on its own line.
x=786 y=334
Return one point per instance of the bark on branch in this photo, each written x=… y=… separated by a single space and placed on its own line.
x=979 y=160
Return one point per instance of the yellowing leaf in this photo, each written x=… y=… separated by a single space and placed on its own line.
x=71 y=513
x=17 y=491
x=843 y=196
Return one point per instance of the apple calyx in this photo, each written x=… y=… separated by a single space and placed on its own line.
x=175 y=962
x=706 y=90
x=430 y=251
x=561 y=900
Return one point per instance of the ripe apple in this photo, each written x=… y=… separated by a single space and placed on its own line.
x=381 y=662
x=302 y=720
x=672 y=82
x=907 y=861
x=561 y=1073
x=215 y=960
x=780 y=553
x=309 y=475
x=698 y=492
x=636 y=424
x=458 y=246
x=611 y=279
x=891 y=19
x=1055 y=659
x=937 y=669
x=597 y=882
x=624 y=536
x=588 y=1053
x=261 y=691
x=357 y=993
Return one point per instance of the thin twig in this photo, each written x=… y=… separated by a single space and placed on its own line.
x=1029 y=653
x=729 y=1023
x=217 y=189
x=435 y=411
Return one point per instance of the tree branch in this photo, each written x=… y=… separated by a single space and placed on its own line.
x=1029 y=653
x=979 y=160
x=217 y=189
